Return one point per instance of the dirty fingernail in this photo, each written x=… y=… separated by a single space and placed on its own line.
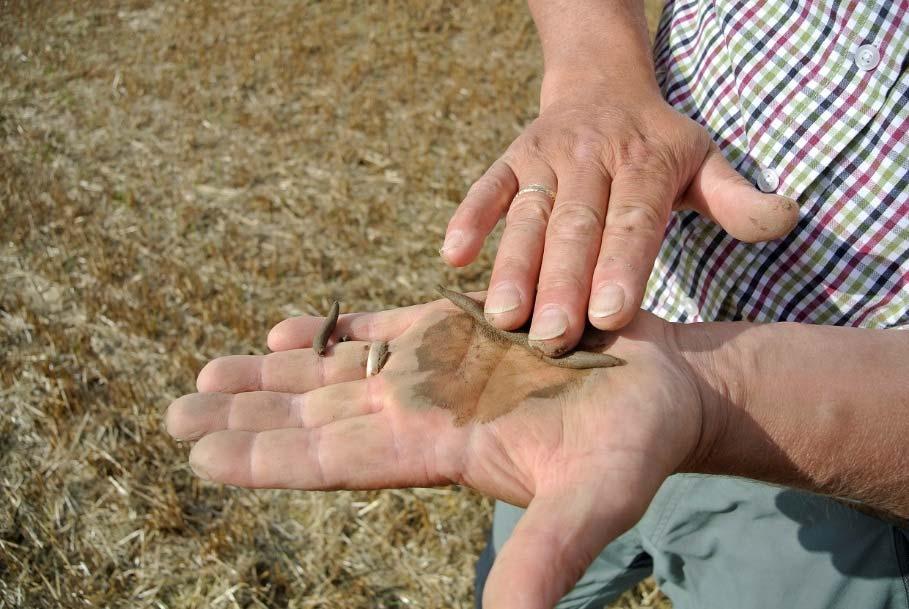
x=505 y=297
x=608 y=301
x=550 y=323
x=452 y=240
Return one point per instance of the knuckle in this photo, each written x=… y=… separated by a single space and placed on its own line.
x=530 y=211
x=488 y=187
x=653 y=162
x=531 y=145
x=511 y=265
x=640 y=154
x=633 y=218
x=558 y=284
x=575 y=219
x=616 y=261
x=633 y=151
x=586 y=150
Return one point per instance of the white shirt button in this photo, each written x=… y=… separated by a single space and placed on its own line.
x=867 y=57
x=768 y=180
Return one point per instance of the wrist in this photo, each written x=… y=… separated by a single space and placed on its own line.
x=718 y=359
x=591 y=43
x=739 y=370
x=820 y=408
x=576 y=81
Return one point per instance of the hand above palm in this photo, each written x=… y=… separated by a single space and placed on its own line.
x=585 y=450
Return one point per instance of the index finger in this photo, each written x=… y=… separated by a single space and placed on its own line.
x=298 y=332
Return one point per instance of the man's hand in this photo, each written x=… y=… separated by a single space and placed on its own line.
x=585 y=451
x=620 y=161
x=820 y=408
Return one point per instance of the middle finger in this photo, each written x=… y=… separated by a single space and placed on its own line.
x=573 y=239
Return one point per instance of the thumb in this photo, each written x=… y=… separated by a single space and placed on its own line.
x=549 y=550
x=719 y=192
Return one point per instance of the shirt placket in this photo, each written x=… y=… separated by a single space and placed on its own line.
x=821 y=107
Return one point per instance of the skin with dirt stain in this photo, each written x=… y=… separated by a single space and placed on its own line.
x=449 y=361
x=480 y=380
x=577 y=359
x=477 y=371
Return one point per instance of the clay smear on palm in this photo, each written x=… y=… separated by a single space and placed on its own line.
x=461 y=363
x=479 y=379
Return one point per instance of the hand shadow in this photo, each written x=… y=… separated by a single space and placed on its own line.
x=853 y=540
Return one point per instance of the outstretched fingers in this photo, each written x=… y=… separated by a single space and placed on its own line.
x=192 y=416
x=195 y=415
x=365 y=452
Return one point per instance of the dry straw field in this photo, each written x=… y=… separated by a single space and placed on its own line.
x=176 y=177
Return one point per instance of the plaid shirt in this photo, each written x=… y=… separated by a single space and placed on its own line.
x=811 y=100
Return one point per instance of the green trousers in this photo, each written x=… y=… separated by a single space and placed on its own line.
x=728 y=543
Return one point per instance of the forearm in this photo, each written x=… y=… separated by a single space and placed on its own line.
x=821 y=408
x=603 y=43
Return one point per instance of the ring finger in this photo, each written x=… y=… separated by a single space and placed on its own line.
x=512 y=287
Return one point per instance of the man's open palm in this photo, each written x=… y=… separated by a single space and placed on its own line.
x=585 y=450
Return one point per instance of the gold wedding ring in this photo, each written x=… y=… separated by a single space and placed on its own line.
x=542 y=188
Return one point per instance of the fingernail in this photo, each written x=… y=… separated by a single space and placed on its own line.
x=608 y=301
x=552 y=322
x=199 y=471
x=505 y=297
x=452 y=240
